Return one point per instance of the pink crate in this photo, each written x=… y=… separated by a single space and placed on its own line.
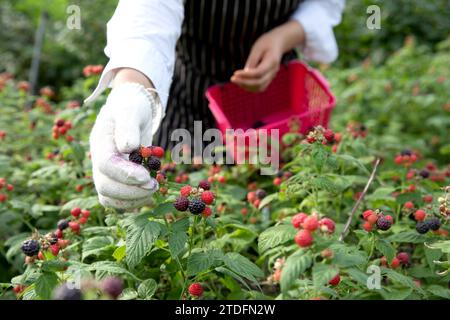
x=298 y=91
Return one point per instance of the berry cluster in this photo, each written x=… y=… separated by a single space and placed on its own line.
x=401 y=259
x=406 y=158
x=378 y=219
x=432 y=223
x=60 y=128
x=8 y=188
x=214 y=174
x=148 y=157
x=308 y=224
x=90 y=70
x=321 y=135
x=196 y=200
x=44 y=105
x=255 y=197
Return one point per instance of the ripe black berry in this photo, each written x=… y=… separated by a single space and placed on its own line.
x=135 y=157
x=112 y=286
x=422 y=227
x=196 y=206
x=433 y=223
x=64 y=292
x=181 y=204
x=154 y=164
x=63 y=224
x=424 y=173
x=30 y=247
x=260 y=193
x=204 y=184
x=383 y=223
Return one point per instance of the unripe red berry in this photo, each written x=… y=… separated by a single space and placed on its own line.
x=395 y=263
x=408 y=205
x=207 y=197
x=368 y=226
x=10 y=187
x=304 y=238
x=277 y=181
x=75 y=212
x=335 y=281
x=420 y=215
x=196 y=289
x=158 y=152
x=327 y=225
x=185 y=191
x=85 y=213
x=207 y=212
x=298 y=219
x=372 y=219
x=367 y=214
x=310 y=223
x=75 y=226
x=428 y=198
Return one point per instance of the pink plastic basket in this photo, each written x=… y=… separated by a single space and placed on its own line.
x=298 y=91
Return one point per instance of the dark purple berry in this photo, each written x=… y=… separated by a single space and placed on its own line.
x=64 y=292
x=30 y=247
x=63 y=224
x=112 y=286
x=424 y=173
x=135 y=157
x=153 y=164
x=181 y=204
x=406 y=152
x=260 y=194
x=383 y=223
x=204 y=184
x=433 y=224
x=422 y=227
x=196 y=206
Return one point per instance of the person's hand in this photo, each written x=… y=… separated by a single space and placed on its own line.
x=124 y=123
x=265 y=56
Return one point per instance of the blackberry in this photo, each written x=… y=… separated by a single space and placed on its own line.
x=30 y=247
x=196 y=206
x=154 y=164
x=260 y=193
x=64 y=292
x=406 y=152
x=424 y=173
x=112 y=286
x=204 y=184
x=63 y=224
x=135 y=157
x=433 y=223
x=181 y=204
x=422 y=227
x=383 y=223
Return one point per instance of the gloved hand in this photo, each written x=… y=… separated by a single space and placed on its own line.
x=128 y=120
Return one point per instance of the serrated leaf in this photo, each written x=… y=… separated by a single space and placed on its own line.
x=275 y=236
x=396 y=294
x=177 y=241
x=444 y=246
x=45 y=284
x=119 y=253
x=233 y=275
x=141 y=235
x=322 y=274
x=147 y=289
x=407 y=236
x=128 y=294
x=295 y=265
x=202 y=261
x=242 y=266
x=439 y=291
x=386 y=249
x=95 y=246
x=103 y=268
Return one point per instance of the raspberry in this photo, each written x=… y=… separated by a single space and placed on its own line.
x=196 y=289
x=427 y=198
x=251 y=196
x=207 y=197
x=196 y=206
x=204 y=184
x=326 y=225
x=395 y=263
x=64 y=292
x=85 y=213
x=298 y=219
x=181 y=204
x=55 y=249
x=403 y=257
x=367 y=226
x=383 y=223
x=335 y=281
x=277 y=181
x=63 y=224
x=135 y=157
x=310 y=224
x=158 y=152
x=146 y=152
x=186 y=191
x=433 y=224
x=75 y=212
x=260 y=194
x=422 y=227
x=10 y=187
x=329 y=135
x=112 y=286
x=372 y=219
x=30 y=247
x=367 y=214
x=207 y=212
x=420 y=215
x=304 y=238
x=408 y=205
x=75 y=226
x=154 y=164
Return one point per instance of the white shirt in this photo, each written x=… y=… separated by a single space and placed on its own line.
x=142 y=35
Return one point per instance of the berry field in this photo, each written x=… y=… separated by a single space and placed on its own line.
x=359 y=210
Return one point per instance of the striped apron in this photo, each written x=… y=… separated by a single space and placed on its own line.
x=216 y=39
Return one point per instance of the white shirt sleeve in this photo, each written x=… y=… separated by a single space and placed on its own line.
x=318 y=17
x=142 y=35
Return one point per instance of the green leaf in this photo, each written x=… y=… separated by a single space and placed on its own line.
x=400 y=278
x=232 y=274
x=396 y=294
x=128 y=294
x=181 y=225
x=177 y=242
x=439 y=291
x=95 y=246
x=295 y=265
x=202 y=261
x=119 y=253
x=407 y=236
x=268 y=199
x=242 y=266
x=275 y=236
x=45 y=284
x=386 y=249
x=141 y=235
x=54 y=265
x=147 y=289
x=431 y=256
x=104 y=268
x=322 y=274
x=444 y=246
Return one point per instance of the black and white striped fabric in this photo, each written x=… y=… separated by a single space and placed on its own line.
x=216 y=39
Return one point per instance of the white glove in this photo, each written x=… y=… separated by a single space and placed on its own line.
x=128 y=120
